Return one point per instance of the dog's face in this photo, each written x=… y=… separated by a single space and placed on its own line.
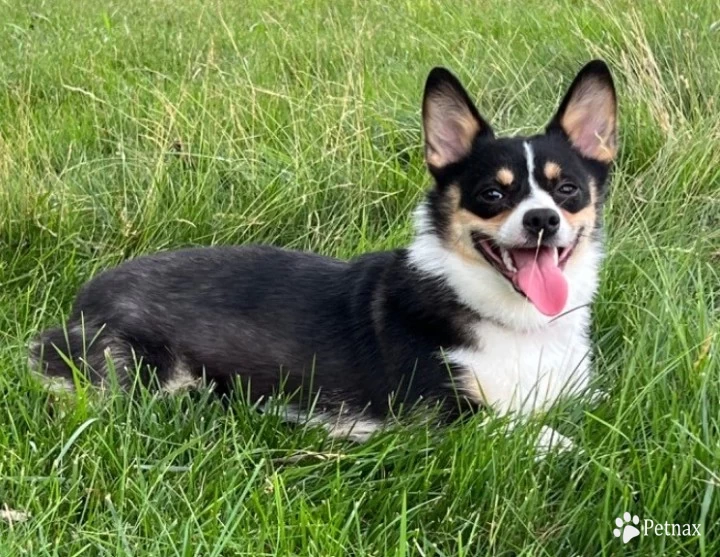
x=526 y=209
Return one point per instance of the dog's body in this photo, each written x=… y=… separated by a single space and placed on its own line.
x=488 y=307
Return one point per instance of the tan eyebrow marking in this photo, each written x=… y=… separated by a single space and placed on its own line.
x=552 y=170
x=505 y=176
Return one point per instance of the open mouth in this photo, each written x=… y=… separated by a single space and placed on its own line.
x=535 y=272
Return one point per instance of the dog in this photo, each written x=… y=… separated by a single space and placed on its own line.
x=487 y=308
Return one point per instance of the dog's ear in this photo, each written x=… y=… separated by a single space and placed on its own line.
x=587 y=116
x=450 y=120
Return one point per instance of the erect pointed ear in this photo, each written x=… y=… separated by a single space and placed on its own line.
x=587 y=115
x=450 y=120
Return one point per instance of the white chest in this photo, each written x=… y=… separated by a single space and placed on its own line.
x=515 y=371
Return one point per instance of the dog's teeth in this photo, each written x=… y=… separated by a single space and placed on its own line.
x=556 y=257
x=507 y=260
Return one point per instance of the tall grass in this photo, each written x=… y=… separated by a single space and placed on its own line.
x=130 y=127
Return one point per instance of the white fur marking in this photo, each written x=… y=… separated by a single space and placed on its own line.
x=530 y=160
x=522 y=372
x=180 y=380
x=56 y=385
x=550 y=440
x=12 y=516
x=52 y=384
x=341 y=424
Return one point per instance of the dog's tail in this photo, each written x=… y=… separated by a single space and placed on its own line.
x=61 y=356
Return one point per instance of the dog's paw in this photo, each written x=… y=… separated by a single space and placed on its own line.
x=550 y=440
x=597 y=397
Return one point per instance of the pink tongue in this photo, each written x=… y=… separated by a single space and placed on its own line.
x=541 y=279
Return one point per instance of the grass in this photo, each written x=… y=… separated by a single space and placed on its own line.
x=130 y=127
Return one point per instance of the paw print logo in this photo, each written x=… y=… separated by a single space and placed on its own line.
x=626 y=527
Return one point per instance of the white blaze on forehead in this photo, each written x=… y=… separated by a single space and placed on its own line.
x=530 y=160
x=538 y=197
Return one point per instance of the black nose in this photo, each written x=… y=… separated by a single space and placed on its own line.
x=546 y=221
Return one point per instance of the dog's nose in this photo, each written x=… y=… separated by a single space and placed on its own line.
x=546 y=221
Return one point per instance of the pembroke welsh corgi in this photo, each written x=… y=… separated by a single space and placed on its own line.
x=488 y=307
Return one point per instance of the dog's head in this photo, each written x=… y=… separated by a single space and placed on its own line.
x=520 y=212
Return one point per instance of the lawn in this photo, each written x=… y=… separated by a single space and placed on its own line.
x=131 y=127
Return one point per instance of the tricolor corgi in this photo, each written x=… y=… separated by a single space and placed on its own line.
x=487 y=308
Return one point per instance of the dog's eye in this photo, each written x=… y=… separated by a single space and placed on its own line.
x=567 y=188
x=491 y=195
